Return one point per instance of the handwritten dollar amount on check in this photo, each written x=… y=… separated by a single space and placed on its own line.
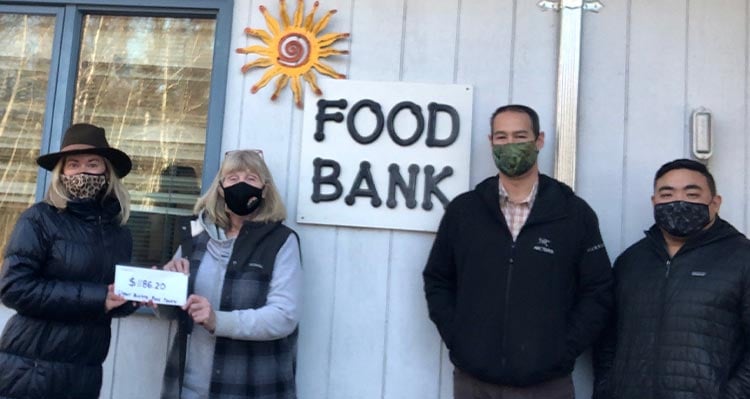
x=157 y=285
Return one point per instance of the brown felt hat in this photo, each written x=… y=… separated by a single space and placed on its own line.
x=83 y=138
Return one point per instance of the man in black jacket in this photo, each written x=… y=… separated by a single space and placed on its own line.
x=682 y=325
x=518 y=281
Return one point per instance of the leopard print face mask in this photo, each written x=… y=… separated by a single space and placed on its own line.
x=84 y=185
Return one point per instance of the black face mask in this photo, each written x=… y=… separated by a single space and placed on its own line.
x=242 y=198
x=681 y=218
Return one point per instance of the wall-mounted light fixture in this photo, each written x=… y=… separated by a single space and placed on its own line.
x=702 y=134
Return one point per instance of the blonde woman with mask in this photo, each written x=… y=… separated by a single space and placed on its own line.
x=237 y=335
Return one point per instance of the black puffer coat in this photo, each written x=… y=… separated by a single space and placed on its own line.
x=683 y=324
x=55 y=274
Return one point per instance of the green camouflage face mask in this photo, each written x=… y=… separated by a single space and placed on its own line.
x=515 y=159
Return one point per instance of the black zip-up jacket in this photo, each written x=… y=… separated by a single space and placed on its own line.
x=682 y=323
x=56 y=269
x=518 y=313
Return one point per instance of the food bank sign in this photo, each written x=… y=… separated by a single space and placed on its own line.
x=384 y=155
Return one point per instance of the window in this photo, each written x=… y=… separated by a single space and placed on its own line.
x=26 y=43
x=154 y=78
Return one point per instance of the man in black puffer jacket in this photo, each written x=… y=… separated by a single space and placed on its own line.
x=682 y=326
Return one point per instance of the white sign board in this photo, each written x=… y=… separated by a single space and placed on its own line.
x=383 y=154
x=143 y=285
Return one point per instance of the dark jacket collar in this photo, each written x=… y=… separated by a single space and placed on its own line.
x=718 y=231
x=551 y=199
x=92 y=210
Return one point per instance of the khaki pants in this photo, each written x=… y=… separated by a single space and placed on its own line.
x=468 y=387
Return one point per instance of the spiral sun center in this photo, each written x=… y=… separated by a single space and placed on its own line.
x=294 y=50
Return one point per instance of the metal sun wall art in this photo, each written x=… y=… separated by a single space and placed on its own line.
x=292 y=49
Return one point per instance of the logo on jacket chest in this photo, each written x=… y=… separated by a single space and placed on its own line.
x=543 y=245
x=249 y=265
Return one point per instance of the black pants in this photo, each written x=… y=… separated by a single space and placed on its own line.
x=467 y=387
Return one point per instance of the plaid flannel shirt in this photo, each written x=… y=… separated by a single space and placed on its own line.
x=516 y=213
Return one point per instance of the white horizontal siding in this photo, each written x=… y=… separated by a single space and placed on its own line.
x=645 y=66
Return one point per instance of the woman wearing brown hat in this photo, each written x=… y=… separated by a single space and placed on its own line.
x=58 y=270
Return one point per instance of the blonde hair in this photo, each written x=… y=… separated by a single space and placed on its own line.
x=57 y=196
x=271 y=208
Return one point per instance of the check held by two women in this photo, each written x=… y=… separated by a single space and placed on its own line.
x=150 y=285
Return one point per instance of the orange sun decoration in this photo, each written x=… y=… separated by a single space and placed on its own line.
x=292 y=50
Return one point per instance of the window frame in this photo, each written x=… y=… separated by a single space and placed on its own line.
x=59 y=14
x=65 y=55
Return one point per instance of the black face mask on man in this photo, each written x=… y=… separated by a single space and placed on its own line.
x=242 y=198
x=681 y=218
